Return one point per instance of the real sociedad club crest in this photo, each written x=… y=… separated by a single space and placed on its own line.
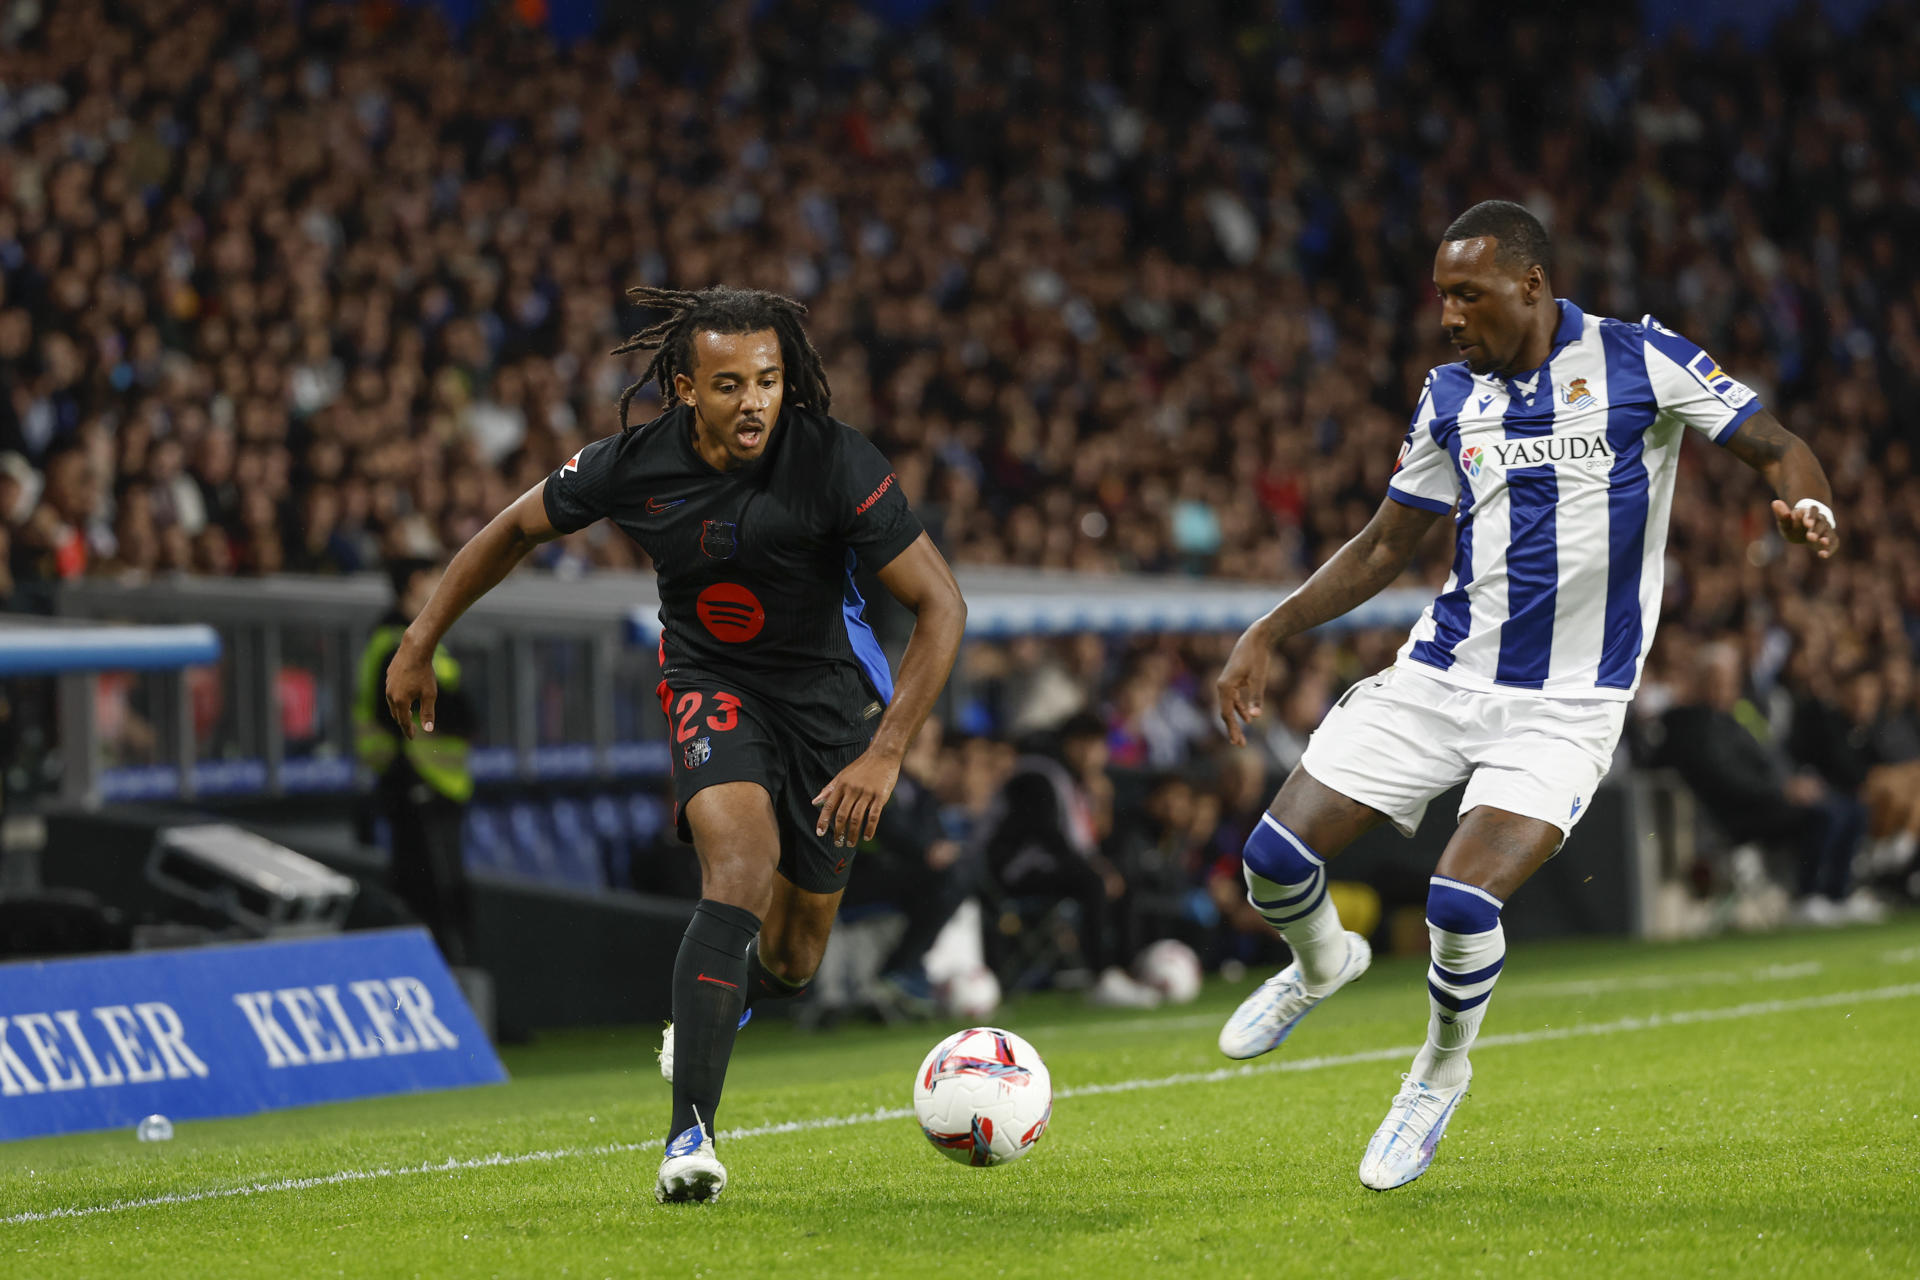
x=718 y=539
x=697 y=752
x=1576 y=395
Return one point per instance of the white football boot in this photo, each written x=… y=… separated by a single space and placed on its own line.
x=691 y=1172
x=1269 y=1015
x=1404 y=1144
x=665 y=1051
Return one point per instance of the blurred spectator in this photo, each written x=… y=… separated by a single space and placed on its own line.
x=913 y=864
x=1043 y=845
x=1161 y=857
x=1721 y=744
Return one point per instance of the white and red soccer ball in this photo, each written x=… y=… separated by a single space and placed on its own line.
x=983 y=1096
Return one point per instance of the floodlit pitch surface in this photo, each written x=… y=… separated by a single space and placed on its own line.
x=1744 y=1107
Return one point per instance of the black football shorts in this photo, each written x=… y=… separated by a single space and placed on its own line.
x=718 y=734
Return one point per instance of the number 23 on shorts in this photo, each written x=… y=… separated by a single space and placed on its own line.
x=686 y=710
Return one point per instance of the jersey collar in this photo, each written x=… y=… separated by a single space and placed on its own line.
x=1573 y=323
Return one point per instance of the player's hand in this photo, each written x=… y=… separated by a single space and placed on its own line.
x=410 y=680
x=850 y=805
x=1806 y=526
x=1243 y=681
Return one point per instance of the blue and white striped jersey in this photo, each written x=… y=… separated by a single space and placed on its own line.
x=1560 y=482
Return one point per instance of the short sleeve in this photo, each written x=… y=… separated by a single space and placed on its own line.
x=1423 y=476
x=874 y=519
x=1689 y=384
x=580 y=491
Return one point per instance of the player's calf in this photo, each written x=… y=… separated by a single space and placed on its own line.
x=1469 y=948
x=761 y=984
x=1287 y=884
x=709 y=995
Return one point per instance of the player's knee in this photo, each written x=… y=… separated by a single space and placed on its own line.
x=792 y=960
x=738 y=882
x=1275 y=854
x=1461 y=908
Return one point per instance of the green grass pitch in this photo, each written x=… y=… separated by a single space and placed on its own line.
x=1744 y=1107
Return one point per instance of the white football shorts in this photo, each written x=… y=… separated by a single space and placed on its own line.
x=1396 y=740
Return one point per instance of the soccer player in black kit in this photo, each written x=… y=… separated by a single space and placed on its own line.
x=787 y=729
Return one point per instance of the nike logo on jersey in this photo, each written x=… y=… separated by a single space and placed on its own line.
x=718 y=982
x=656 y=505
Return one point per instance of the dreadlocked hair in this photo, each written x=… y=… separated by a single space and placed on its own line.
x=718 y=309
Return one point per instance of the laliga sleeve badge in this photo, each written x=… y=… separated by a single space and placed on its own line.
x=697 y=753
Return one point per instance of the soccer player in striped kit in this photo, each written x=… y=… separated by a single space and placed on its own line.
x=1554 y=443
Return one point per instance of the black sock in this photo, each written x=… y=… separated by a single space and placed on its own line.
x=764 y=984
x=709 y=990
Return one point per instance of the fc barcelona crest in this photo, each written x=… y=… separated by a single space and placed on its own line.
x=697 y=752
x=719 y=538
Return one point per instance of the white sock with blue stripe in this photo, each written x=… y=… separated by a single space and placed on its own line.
x=1469 y=948
x=1287 y=885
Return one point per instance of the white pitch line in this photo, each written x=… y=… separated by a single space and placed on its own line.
x=1651 y=1022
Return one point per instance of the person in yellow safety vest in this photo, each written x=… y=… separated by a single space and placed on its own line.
x=422 y=784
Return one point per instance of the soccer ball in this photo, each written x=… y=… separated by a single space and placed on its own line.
x=972 y=995
x=1170 y=967
x=983 y=1096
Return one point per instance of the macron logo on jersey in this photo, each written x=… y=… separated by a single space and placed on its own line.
x=573 y=465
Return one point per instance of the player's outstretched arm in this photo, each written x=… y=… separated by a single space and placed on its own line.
x=1357 y=572
x=919 y=579
x=1803 y=502
x=478 y=567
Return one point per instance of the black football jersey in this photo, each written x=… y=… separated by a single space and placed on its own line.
x=756 y=565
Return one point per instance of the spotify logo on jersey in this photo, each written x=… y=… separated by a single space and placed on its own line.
x=730 y=612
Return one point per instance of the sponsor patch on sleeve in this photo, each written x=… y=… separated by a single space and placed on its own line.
x=1718 y=381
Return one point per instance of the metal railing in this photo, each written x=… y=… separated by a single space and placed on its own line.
x=563 y=668
x=562 y=692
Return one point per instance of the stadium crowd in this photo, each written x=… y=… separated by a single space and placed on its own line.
x=295 y=288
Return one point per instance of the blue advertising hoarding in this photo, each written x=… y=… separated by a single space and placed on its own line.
x=231 y=1030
